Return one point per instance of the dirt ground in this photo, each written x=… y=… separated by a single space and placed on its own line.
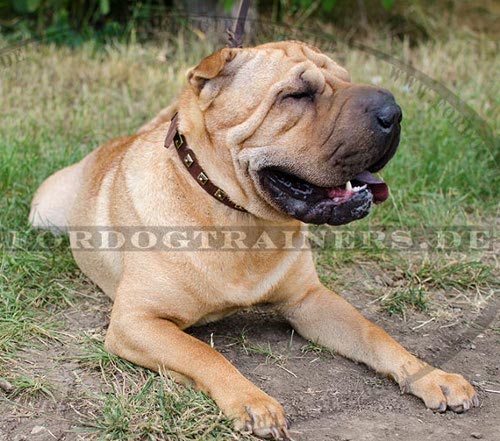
x=325 y=396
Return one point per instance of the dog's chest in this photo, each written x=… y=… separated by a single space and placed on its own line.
x=237 y=280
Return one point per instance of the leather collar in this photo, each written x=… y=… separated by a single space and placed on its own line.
x=192 y=165
x=187 y=156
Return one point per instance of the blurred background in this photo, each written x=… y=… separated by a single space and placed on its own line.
x=415 y=19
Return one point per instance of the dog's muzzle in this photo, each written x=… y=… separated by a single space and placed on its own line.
x=376 y=114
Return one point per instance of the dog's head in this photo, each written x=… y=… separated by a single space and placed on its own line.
x=285 y=133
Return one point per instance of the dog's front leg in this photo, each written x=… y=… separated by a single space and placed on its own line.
x=326 y=318
x=139 y=335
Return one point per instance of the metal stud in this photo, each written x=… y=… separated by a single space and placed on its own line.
x=188 y=160
x=178 y=141
x=202 y=178
x=220 y=194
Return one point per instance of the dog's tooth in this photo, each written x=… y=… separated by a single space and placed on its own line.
x=356 y=189
x=348 y=186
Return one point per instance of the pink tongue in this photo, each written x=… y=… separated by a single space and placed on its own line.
x=377 y=186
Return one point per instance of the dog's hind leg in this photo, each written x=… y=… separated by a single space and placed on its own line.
x=54 y=199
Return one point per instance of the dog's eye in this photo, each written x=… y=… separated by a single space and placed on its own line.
x=304 y=94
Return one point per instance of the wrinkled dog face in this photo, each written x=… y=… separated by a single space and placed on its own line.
x=299 y=133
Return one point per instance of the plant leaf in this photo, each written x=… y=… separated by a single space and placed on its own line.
x=328 y=5
x=228 y=5
x=104 y=7
x=387 y=4
x=25 y=6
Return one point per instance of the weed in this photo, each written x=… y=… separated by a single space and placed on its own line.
x=155 y=407
x=318 y=350
x=442 y=274
x=32 y=387
x=95 y=356
x=400 y=301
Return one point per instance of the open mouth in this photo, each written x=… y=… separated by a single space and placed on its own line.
x=323 y=205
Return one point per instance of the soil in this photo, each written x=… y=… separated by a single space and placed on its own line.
x=326 y=397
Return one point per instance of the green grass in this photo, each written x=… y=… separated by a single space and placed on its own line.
x=264 y=350
x=148 y=406
x=59 y=104
x=318 y=350
x=400 y=301
x=33 y=287
x=135 y=403
x=32 y=387
x=423 y=277
x=94 y=356
x=465 y=275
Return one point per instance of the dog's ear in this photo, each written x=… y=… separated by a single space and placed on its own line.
x=210 y=67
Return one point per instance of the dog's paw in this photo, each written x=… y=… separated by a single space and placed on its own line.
x=440 y=390
x=261 y=415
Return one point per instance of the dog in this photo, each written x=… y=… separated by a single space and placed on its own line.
x=278 y=137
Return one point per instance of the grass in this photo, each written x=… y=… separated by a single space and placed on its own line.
x=437 y=274
x=33 y=286
x=318 y=350
x=59 y=104
x=400 y=301
x=148 y=406
x=32 y=387
x=94 y=356
x=264 y=350
x=464 y=275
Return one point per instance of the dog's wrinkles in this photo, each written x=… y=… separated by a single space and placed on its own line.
x=157 y=294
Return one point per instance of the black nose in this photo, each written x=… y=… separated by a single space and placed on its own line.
x=388 y=115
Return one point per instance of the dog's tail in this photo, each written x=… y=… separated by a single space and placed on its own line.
x=54 y=200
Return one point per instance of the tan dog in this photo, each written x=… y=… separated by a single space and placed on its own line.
x=282 y=130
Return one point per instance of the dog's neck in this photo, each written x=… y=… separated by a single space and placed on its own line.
x=189 y=160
